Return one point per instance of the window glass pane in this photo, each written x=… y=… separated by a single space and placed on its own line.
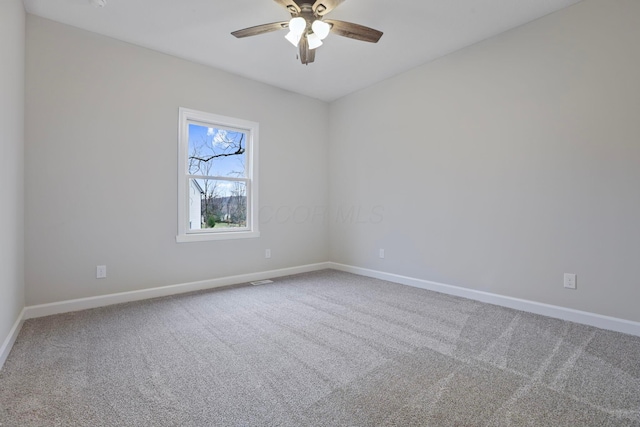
x=216 y=151
x=217 y=204
x=217 y=177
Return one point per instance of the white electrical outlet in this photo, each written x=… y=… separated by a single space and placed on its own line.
x=267 y=253
x=101 y=271
x=381 y=253
x=570 y=281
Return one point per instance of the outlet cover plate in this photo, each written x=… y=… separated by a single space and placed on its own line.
x=101 y=272
x=570 y=281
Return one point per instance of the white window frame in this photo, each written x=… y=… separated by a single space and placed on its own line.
x=185 y=234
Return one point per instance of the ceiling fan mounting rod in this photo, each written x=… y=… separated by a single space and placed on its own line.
x=306 y=12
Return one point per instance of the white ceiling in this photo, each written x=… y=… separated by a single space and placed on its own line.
x=415 y=32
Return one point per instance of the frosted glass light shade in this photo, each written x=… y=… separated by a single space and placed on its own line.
x=297 y=25
x=321 y=28
x=314 y=41
x=294 y=38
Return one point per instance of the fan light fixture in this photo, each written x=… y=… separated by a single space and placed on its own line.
x=314 y=40
x=321 y=28
x=297 y=26
x=298 y=29
x=293 y=38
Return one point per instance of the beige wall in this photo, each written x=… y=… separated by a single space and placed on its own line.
x=12 y=47
x=502 y=166
x=498 y=168
x=101 y=167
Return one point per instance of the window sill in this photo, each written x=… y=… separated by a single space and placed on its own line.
x=204 y=237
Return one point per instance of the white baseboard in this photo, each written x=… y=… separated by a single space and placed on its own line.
x=591 y=319
x=41 y=310
x=577 y=316
x=11 y=339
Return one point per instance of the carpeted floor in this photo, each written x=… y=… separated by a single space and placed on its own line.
x=318 y=349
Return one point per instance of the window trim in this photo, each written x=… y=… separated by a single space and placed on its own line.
x=186 y=116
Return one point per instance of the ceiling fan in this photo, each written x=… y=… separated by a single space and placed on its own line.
x=307 y=27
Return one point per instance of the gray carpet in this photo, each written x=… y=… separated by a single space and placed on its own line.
x=318 y=349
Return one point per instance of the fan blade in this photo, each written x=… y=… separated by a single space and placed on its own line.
x=306 y=55
x=260 y=29
x=354 y=31
x=322 y=7
x=290 y=5
x=312 y=55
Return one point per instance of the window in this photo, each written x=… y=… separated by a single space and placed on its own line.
x=217 y=171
